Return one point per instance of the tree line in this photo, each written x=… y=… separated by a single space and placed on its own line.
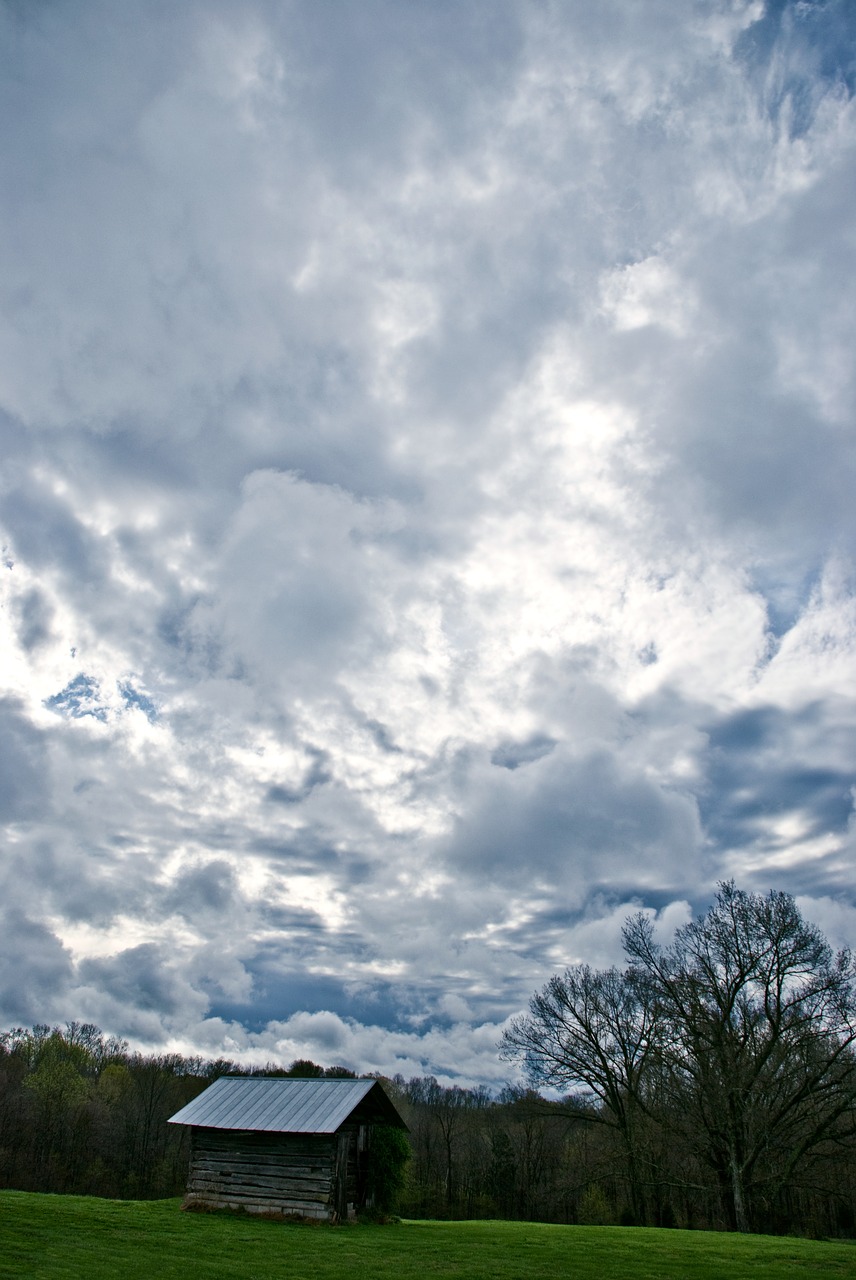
x=81 y=1114
x=709 y=1084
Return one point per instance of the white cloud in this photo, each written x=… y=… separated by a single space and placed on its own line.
x=427 y=513
x=647 y=292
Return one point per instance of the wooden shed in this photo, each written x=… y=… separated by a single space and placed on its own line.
x=285 y=1146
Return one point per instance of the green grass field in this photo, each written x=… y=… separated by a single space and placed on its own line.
x=45 y=1236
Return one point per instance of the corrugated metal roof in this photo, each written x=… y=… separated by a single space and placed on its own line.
x=273 y=1104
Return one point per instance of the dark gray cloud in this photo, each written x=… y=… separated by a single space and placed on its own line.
x=140 y=987
x=199 y=890
x=45 y=533
x=34 y=618
x=511 y=755
x=766 y=765
x=35 y=970
x=577 y=820
x=24 y=781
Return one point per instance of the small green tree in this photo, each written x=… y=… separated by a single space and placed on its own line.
x=595 y=1209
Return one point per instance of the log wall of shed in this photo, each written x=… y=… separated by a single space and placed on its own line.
x=296 y=1175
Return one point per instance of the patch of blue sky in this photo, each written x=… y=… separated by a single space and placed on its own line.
x=80 y=697
x=133 y=698
x=786 y=596
x=799 y=51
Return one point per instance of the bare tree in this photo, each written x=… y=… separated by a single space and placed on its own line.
x=592 y=1029
x=757 y=1019
x=737 y=1040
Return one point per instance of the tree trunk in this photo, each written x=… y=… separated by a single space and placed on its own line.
x=738 y=1197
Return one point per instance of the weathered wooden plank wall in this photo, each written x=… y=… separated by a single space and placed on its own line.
x=291 y=1174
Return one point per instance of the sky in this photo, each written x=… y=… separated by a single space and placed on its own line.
x=426 y=505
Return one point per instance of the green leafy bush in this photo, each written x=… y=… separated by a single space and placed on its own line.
x=388 y=1155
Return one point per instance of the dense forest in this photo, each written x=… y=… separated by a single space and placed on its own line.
x=79 y=1113
x=712 y=1078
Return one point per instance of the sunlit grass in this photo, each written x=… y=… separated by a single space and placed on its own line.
x=44 y=1236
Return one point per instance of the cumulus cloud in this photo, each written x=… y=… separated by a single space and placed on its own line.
x=426 y=513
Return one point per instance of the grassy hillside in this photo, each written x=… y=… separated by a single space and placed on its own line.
x=45 y=1236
